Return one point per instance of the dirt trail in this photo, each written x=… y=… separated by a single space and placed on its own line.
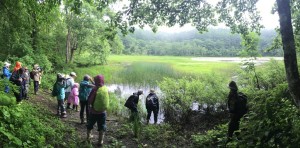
x=43 y=99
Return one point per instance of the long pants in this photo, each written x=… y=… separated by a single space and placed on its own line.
x=36 y=86
x=234 y=124
x=61 y=107
x=84 y=105
x=155 y=112
x=134 y=114
x=19 y=95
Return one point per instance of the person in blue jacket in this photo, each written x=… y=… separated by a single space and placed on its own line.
x=6 y=74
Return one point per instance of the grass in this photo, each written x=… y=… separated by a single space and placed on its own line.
x=180 y=64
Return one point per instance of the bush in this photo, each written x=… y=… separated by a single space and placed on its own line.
x=209 y=91
x=273 y=121
x=28 y=126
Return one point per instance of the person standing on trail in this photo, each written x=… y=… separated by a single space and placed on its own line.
x=26 y=76
x=59 y=89
x=152 y=105
x=237 y=108
x=84 y=91
x=132 y=103
x=6 y=75
x=17 y=79
x=17 y=67
x=69 y=82
x=73 y=97
x=37 y=77
x=98 y=102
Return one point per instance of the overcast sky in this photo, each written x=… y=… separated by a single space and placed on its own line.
x=269 y=20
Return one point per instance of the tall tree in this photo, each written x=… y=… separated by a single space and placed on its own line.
x=289 y=48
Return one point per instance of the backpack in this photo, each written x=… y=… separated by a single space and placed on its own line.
x=84 y=92
x=54 y=92
x=31 y=74
x=242 y=103
x=129 y=101
x=150 y=101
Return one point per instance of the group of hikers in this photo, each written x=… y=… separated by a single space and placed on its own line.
x=21 y=78
x=92 y=96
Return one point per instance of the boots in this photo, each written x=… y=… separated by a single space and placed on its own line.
x=63 y=115
x=68 y=105
x=88 y=135
x=101 y=137
x=82 y=120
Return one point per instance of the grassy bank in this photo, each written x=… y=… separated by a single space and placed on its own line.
x=181 y=64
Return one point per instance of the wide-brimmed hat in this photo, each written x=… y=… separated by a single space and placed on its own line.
x=73 y=74
x=6 y=64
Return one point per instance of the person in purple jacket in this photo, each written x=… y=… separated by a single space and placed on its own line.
x=98 y=103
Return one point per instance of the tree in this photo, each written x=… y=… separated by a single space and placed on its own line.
x=240 y=15
x=289 y=49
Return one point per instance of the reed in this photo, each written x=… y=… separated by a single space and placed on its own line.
x=146 y=73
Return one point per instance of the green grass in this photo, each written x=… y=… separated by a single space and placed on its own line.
x=149 y=69
x=180 y=64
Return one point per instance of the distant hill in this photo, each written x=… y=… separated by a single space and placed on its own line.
x=216 y=42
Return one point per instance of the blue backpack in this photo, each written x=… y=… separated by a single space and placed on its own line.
x=84 y=91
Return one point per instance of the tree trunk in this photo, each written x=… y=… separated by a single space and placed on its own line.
x=289 y=49
x=68 y=45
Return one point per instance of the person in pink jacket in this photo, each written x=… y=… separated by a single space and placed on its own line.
x=73 y=97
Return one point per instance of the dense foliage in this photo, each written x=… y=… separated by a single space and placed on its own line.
x=28 y=126
x=216 y=42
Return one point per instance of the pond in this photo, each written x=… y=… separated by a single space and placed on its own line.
x=124 y=91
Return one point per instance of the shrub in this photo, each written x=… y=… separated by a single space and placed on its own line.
x=208 y=91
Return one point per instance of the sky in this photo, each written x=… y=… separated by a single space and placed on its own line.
x=270 y=21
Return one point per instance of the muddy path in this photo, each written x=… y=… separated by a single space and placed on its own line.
x=44 y=100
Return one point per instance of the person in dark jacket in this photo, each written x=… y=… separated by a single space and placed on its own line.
x=18 y=79
x=235 y=115
x=132 y=103
x=152 y=105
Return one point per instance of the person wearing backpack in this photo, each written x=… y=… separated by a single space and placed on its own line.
x=6 y=75
x=59 y=92
x=84 y=91
x=152 y=105
x=18 y=80
x=26 y=76
x=131 y=103
x=237 y=108
x=37 y=77
x=98 y=102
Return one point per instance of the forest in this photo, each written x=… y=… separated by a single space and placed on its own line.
x=214 y=43
x=107 y=40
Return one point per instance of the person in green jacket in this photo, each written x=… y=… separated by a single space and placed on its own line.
x=98 y=102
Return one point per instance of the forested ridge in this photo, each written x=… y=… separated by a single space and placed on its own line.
x=216 y=42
